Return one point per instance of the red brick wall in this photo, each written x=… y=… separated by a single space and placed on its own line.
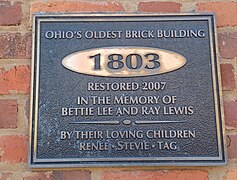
x=15 y=59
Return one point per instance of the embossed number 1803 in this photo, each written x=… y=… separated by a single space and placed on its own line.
x=131 y=61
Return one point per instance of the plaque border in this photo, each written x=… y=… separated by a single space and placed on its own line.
x=33 y=162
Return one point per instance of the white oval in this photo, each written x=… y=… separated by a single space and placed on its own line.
x=82 y=63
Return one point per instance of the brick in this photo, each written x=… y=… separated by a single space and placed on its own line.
x=8 y=113
x=232 y=146
x=230 y=110
x=231 y=174
x=15 y=46
x=228 y=44
x=156 y=175
x=15 y=79
x=13 y=149
x=162 y=7
x=11 y=13
x=227 y=77
x=73 y=175
x=5 y=176
x=75 y=7
x=38 y=176
x=225 y=12
x=27 y=109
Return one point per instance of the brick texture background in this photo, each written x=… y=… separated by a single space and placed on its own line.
x=15 y=60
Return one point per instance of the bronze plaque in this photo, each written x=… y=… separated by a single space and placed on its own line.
x=125 y=90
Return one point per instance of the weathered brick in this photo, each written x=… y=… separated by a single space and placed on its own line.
x=8 y=113
x=75 y=7
x=231 y=174
x=232 y=146
x=73 y=175
x=230 y=109
x=228 y=44
x=11 y=13
x=38 y=176
x=163 y=7
x=156 y=175
x=225 y=12
x=15 y=46
x=13 y=149
x=5 y=176
x=227 y=77
x=15 y=79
